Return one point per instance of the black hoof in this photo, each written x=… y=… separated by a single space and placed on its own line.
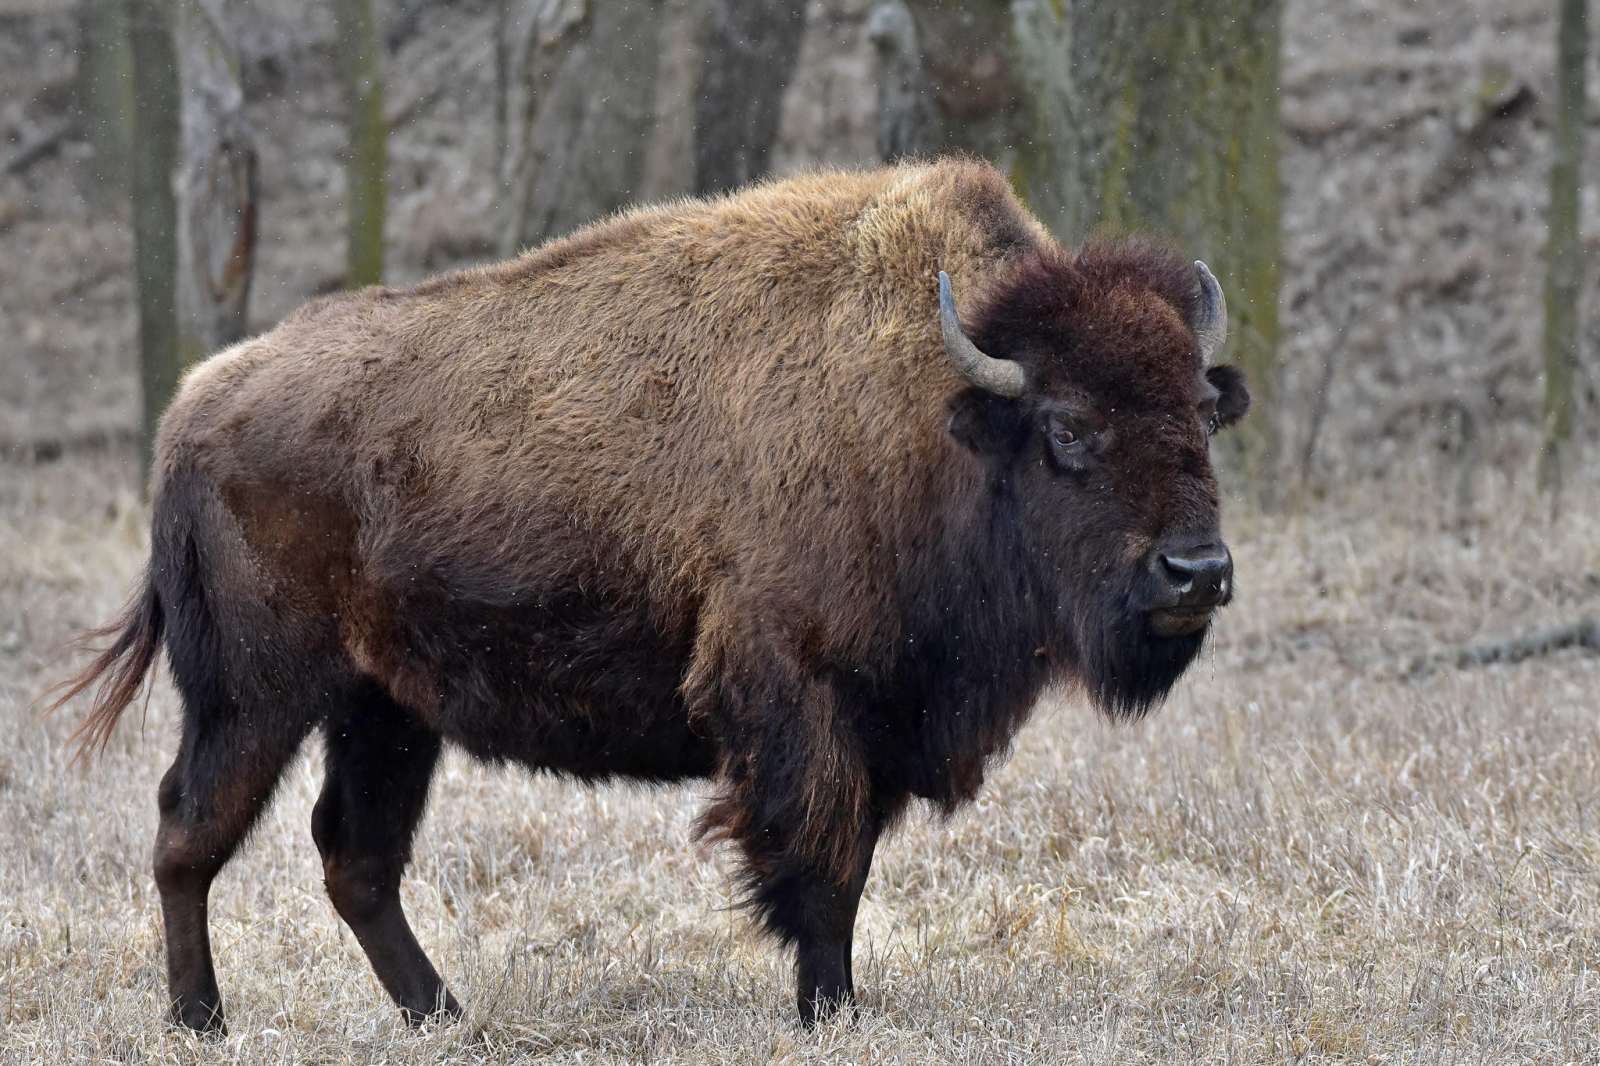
x=820 y=1008
x=198 y=1016
x=448 y=1010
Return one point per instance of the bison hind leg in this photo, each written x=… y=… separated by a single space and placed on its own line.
x=239 y=731
x=217 y=787
x=380 y=760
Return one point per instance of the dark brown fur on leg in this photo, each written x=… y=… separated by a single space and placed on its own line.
x=798 y=797
x=824 y=974
x=208 y=800
x=240 y=729
x=194 y=999
x=380 y=760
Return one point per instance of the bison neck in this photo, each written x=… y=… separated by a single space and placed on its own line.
x=974 y=658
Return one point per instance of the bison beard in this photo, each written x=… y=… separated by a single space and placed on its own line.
x=723 y=489
x=1124 y=668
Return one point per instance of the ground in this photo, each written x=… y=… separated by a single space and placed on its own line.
x=1312 y=853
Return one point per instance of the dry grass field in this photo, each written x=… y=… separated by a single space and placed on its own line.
x=1306 y=856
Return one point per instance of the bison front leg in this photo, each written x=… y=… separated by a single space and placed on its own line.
x=797 y=796
x=818 y=914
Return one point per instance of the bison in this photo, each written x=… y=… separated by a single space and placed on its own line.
x=810 y=490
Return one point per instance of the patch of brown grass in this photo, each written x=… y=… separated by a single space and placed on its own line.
x=1304 y=857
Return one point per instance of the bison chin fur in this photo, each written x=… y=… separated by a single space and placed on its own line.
x=1126 y=669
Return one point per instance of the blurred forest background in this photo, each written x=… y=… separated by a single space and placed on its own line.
x=1371 y=178
x=1361 y=830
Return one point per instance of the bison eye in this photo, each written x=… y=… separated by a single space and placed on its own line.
x=1067 y=449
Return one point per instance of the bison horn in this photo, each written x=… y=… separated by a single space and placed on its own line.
x=1003 y=377
x=1211 y=322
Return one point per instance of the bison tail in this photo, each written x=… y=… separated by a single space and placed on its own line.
x=120 y=669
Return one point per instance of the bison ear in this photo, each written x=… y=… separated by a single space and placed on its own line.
x=985 y=423
x=1234 y=403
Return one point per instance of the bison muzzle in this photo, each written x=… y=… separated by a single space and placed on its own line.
x=810 y=490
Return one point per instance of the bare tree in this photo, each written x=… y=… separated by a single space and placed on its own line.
x=155 y=209
x=104 y=89
x=669 y=155
x=993 y=78
x=607 y=102
x=750 y=52
x=216 y=185
x=194 y=193
x=1564 y=256
x=578 y=81
x=1178 y=128
x=367 y=156
x=905 y=117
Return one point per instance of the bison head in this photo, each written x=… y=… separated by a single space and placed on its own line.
x=1093 y=399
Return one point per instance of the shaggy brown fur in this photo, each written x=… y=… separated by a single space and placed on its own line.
x=692 y=492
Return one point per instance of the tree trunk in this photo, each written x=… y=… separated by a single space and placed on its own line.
x=603 y=103
x=750 y=51
x=155 y=151
x=105 y=91
x=578 y=87
x=992 y=78
x=216 y=186
x=194 y=194
x=1178 y=130
x=1043 y=126
x=366 y=157
x=669 y=155
x=1564 y=260
x=946 y=78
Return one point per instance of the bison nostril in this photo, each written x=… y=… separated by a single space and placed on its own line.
x=1200 y=577
x=1181 y=570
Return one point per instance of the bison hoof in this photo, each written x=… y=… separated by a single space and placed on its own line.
x=447 y=1011
x=198 y=1016
x=815 y=1010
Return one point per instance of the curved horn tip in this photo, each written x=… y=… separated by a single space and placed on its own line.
x=1003 y=377
x=1211 y=328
